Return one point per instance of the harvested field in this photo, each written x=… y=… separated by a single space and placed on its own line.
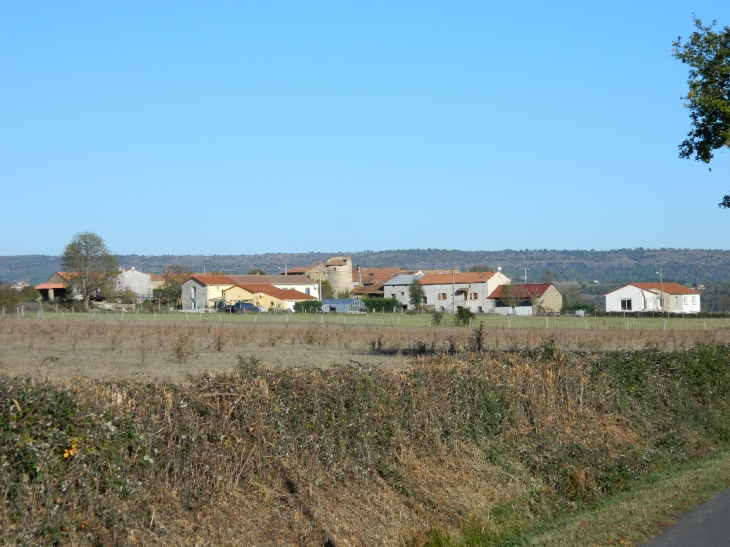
x=169 y=351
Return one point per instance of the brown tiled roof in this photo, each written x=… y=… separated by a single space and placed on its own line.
x=157 y=277
x=375 y=275
x=336 y=262
x=521 y=291
x=66 y=275
x=669 y=288
x=50 y=286
x=281 y=294
x=213 y=279
x=299 y=269
x=274 y=279
x=467 y=277
x=374 y=288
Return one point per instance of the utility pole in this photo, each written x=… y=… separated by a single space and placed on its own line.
x=525 y=274
x=661 y=290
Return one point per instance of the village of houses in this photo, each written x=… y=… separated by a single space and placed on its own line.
x=487 y=292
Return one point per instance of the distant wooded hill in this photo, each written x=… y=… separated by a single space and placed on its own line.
x=681 y=265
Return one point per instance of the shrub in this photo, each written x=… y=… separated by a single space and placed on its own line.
x=308 y=306
x=381 y=304
x=464 y=316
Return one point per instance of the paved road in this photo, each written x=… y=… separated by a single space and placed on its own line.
x=706 y=526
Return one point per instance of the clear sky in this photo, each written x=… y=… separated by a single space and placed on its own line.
x=241 y=128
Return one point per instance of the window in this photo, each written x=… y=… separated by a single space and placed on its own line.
x=474 y=296
x=626 y=304
x=306 y=291
x=676 y=300
x=402 y=293
x=694 y=300
x=442 y=296
x=685 y=300
x=425 y=300
x=192 y=292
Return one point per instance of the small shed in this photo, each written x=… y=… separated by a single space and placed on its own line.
x=343 y=305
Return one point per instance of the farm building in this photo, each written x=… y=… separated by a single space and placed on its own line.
x=647 y=297
x=527 y=299
x=399 y=287
x=343 y=305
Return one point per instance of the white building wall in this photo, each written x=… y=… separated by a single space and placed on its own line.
x=646 y=301
x=478 y=304
x=312 y=289
x=139 y=283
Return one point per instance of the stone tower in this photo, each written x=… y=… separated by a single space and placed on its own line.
x=339 y=273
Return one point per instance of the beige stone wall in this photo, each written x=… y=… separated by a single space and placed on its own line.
x=551 y=301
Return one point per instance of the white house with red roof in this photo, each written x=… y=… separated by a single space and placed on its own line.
x=648 y=297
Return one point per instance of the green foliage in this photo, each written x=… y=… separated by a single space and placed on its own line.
x=417 y=294
x=707 y=52
x=327 y=291
x=308 y=306
x=343 y=294
x=90 y=263
x=479 y=268
x=126 y=297
x=175 y=275
x=256 y=271
x=9 y=297
x=381 y=304
x=573 y=301
x=29 y=294
x=464 y=316
x=438 y=317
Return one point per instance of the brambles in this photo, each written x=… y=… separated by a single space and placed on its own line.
x=477 y=338
x=449 y=439
x=183 y=349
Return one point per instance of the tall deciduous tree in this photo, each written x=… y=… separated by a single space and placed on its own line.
x=90 y=264
x=175 y=275
x=707 y=52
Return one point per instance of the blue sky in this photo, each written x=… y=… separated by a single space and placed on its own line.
x=243 y=128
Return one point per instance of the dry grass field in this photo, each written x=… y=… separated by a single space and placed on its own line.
x=169 y=351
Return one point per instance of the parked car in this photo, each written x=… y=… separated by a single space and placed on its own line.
x=239 y=307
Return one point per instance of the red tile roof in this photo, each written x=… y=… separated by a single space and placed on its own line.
x=281 y=294
x=50 y=286
x=467 y=277
x=521 y=291
x=669 y=288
